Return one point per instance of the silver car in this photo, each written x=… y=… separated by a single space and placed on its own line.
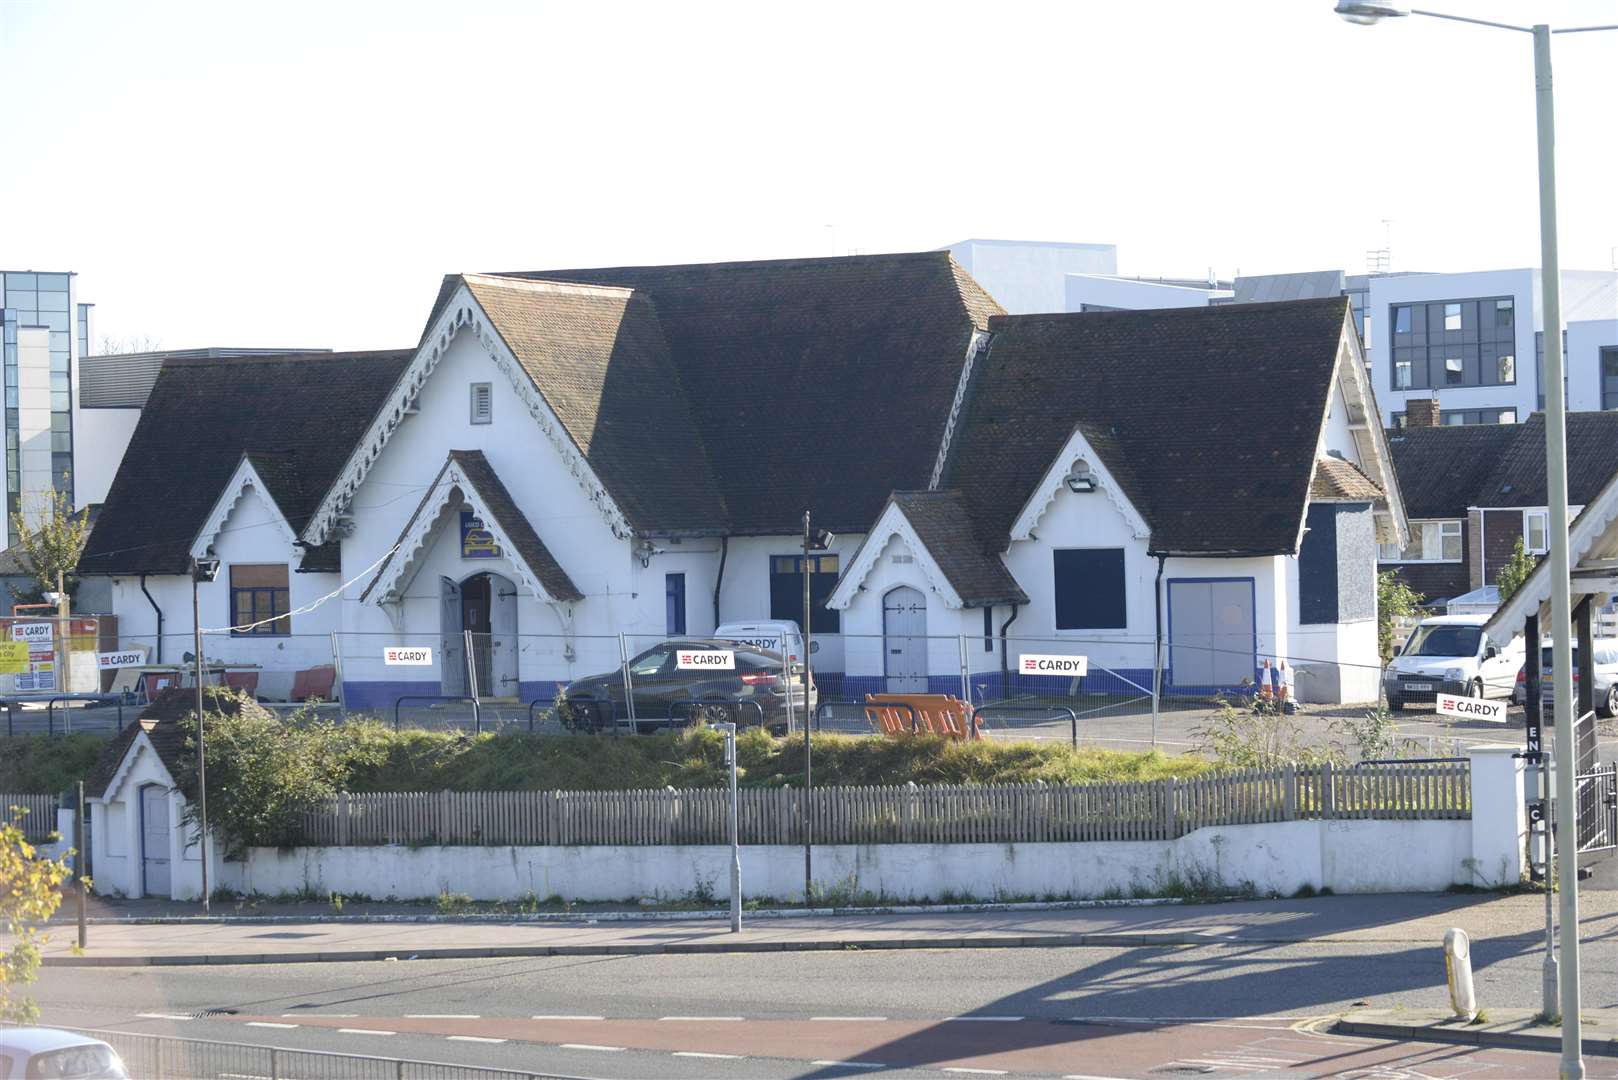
x=49 y=1054
x=1606 y=676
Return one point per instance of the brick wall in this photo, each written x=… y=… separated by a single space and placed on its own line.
x=1501 y=531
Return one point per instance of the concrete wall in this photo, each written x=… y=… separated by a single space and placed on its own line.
x=1027 y=276
x=1585 y=340
x=1345 y=856
x=100 y=437
x=1131 y=294
x=115 y=831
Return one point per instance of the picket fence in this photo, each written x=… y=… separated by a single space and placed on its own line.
x=1002 y=813
x=39 y=822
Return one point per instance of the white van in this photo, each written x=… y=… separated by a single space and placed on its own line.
x=1448 y=654
x=777 y=635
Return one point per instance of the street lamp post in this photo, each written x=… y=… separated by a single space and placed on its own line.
x=1369 y=12
x=204 y=569
x=813 y=540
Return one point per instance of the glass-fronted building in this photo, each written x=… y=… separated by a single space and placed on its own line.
x=46 y=331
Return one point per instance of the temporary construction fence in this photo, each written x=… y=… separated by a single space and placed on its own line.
x=1007 y=813
x=39 y=821
x=163 y=1057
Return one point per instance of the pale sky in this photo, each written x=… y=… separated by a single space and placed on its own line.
x=302 y=174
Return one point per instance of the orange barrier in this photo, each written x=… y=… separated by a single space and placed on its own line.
x=939 y=714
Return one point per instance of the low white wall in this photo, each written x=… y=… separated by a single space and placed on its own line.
x=1345 y=856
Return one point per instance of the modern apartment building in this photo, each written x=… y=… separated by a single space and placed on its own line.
x=46 y=332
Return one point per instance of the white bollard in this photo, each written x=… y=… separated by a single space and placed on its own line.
x=1458 y=969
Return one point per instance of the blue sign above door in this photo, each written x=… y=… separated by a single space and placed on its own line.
x=476 y=541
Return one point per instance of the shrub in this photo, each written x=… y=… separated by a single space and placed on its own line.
x=46 y=765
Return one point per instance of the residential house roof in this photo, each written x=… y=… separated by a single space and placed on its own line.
x=1441 y=469
x=1518 y=478
x=1209 y=418
x=296 y=416
x=943 y=525
x=811 y=383
x=1339 y=480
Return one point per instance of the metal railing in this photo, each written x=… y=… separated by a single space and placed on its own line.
x=1042 y=712
x=477 y=716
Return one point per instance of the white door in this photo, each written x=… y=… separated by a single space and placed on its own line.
x=502 y=639
x=154 y=840
x=452 y=643
x=1211 y=631
x=904 y=641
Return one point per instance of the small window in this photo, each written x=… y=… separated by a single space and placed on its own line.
x=259 y=593
x=1452 y=316
x=1454 y=370
x=1401 y=375
x=1508 y=369
x=1450 y=541
x=674 y=603
x=1537 y=531
x=482 y=403
x=1507 y=416
x=988 y=629
x=786 y=590
x=1401 y=320
x=1505 y=315
x=1090 y=589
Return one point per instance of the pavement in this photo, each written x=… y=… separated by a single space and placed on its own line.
x=1519 y=1029
x=1389 y=918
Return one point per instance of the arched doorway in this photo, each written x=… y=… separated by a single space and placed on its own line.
x=483 y=606
x=904 y=641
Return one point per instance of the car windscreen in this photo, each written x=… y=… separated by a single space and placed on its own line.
x=1444 y=640
x=73 y=1061
x=1546 y=661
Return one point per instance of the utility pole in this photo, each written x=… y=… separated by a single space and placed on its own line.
x=808 y=746
x=201 y=570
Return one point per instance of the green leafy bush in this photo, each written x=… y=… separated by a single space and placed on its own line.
x=47 y=765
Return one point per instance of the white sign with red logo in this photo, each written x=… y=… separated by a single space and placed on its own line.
x=110 y=661
x=705 y=660
x=1052 y=664
x=1471 y=708
x=407 y=655
x=35 y=633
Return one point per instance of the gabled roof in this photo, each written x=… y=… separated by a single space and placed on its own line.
x=298 y=415
x=467 y=479
x=1518 y=478
x=940 y=525
x=162 y=722
x=1209 y=418
x=1340 y=480
x=1442 y=469
x=814 y=383
x=598 y=357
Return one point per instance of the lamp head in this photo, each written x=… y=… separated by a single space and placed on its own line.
x=1368 y=12
x=204 y=569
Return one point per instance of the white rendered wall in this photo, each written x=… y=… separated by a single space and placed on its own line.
x=34 y=420
x=1027 y=276
x=115 y=832
x=1345 y=856
x=1132 y=295
x=100 y=437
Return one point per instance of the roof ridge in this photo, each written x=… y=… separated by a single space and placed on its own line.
x=1176 y=312
x=736 y=264
x=235 y=361
x=549 y=285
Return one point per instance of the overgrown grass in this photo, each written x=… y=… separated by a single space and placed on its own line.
x=430 y=761
x=46 y=765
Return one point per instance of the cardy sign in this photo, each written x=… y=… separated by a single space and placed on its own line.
x=1051 y=664
x=408 y=656
x=109 y=661
x=1471 y=708
x=705 y=660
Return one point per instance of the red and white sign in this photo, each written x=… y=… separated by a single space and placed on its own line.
x=1471 y=708
x=705 y=660
x=111 y=661
x=35 y=633
x=407 y=655
x=1052 y=664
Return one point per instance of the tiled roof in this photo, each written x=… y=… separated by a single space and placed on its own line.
x=1442 y=469
x=508 y=517
x=814 y=383
x=599 y=358
x=943 y=525
x=162 y=721
x=300 y=415
x=1519 y=476
x=1337 y=480
x=1208 y=417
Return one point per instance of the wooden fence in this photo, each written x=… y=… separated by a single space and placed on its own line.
x=1009 y=813
x=39 y=822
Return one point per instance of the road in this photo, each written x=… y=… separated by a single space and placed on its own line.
x=1225 y=1010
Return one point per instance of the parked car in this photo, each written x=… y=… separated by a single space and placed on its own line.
x=775 y=635
x=48 y=1054
x=1448 y=654
x=1606 y=675
x=665 y=695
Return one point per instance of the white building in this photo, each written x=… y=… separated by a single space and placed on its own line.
x=1028 y=276
x=571 y=456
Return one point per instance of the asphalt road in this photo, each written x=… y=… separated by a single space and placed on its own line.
x=1235 y=1010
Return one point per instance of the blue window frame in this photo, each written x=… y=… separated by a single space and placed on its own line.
x=674 y=603
x=1089 y=589
x=257 y=593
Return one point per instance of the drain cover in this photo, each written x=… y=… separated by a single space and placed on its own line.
x=205 y=1013
x=1182 y=1070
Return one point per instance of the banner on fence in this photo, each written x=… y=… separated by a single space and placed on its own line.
x=1470 y=708
x=111 y=661
x=1052 y=664
x=705 y=659
x=412 y=656
x=13 y=657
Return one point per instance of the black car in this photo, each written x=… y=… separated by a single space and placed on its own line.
x=667 y=695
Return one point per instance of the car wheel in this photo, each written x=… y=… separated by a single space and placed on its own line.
x=1475 y=688
x=1612 y=700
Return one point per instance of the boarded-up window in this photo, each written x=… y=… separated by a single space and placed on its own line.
x=259 y=592
x=1090 y=589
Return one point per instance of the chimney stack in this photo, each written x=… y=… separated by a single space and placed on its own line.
x=1421 y=413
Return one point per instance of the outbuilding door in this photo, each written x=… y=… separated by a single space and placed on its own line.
x=452 y=641
x=904 y=641
x=154 y=840
x=1212 y=632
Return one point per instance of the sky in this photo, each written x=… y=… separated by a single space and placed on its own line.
x=302 y=174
